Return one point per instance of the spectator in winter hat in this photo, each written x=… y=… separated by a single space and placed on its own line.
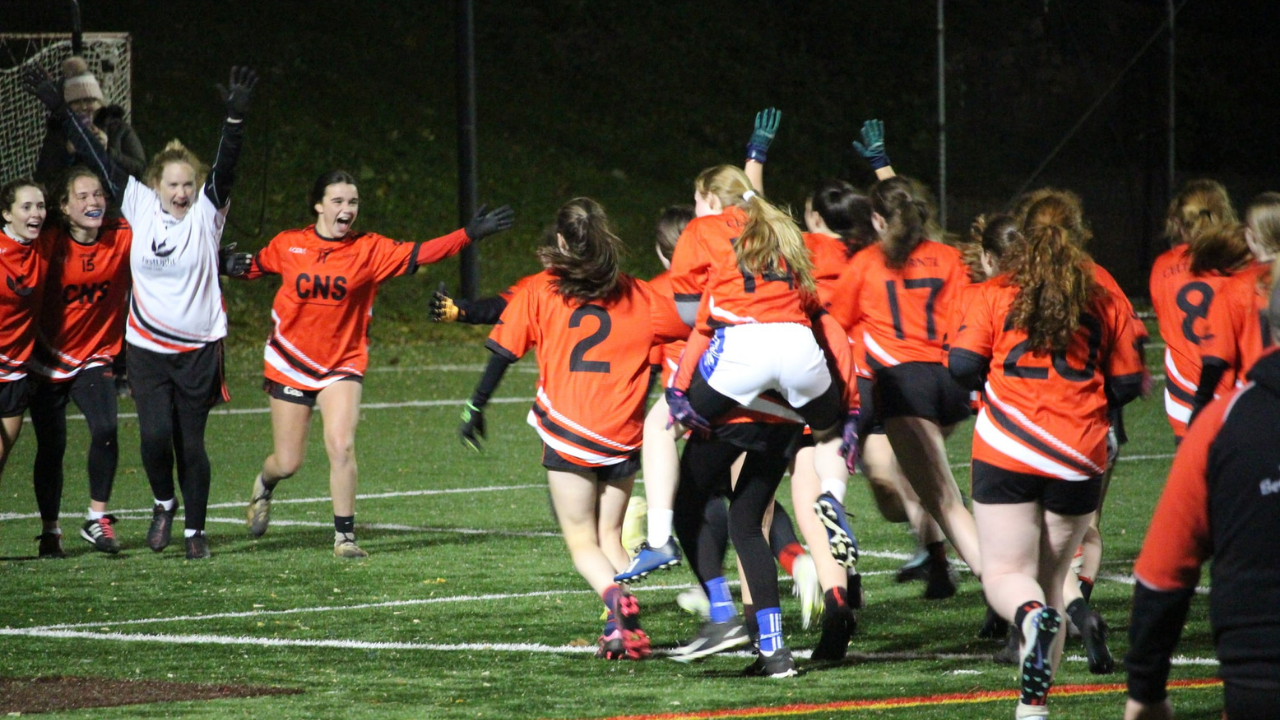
x=84 y=96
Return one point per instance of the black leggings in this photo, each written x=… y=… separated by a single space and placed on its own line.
x=174 y=394
x=704 y=469
x=1246 y=703
x=714 y=537
x=94 y=392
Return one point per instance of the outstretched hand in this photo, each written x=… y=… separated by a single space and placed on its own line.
x=239 y=92
x=232 y=263
x=766 y=128
x=872 y=145
x=485 y=223
x=443 y=309
x=37 y=81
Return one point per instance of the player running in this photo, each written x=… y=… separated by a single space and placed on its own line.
x=594 y=328
x=176 y=317
x=22 y=207
x=1053 y=344
x=1181 y=301
x=81 y=333
x=318 y=349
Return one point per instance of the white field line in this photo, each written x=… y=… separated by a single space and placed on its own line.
x=395 y=528
x=363 y=406
x=191 y=639
x=306 y=500
x=1123 y=458
x=1130 y=580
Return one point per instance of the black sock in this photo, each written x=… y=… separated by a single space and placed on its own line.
x=1078 y=611
x=835 y=598
x=1086 y=588
x=749 y=620
x=937 y=551
x=1023 y=610
x=854 y=594
x=345 y=524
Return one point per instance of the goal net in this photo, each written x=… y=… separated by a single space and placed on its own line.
x=22 y=117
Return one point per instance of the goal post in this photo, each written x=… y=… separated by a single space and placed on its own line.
x=22 y=117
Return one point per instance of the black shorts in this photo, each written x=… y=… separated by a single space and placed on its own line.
x=996 y=486
x=297 y=396
x=618 y=472
x=781 y=438
x=15 y=397
x=823 y=412
x=919 y=389
x=868 y=423
x=194 y=379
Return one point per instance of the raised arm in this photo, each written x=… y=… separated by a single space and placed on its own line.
x=872 y=148
x=237 y=95
x=37 y=81
x=766 y=129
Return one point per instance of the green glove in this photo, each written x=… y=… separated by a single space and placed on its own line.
x=872 y=145
x=766 y=128
x=472 y=428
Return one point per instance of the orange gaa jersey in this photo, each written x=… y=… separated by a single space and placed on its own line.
x=320 y=317
x=1046 y=413
x=519 y=285
x=1182 y=312
x=902 y=315
x=593 y=364
x=1238 y=319
x=829 y=258
x=705 y=268
x=23 y=267
x=86 y=291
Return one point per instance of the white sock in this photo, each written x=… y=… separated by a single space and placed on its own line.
x=169 y=504
x=660 y=526
x=94 y=515
x=836 y=488
x=191 y=533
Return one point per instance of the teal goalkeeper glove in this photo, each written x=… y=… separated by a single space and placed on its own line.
x=872 y=145
x=766 y=128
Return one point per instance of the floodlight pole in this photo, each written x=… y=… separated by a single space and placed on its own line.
x=77 y=33
x=1173 y=86
x=942 y=117
x=466 y=59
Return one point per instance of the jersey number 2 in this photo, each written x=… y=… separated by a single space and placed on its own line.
x=577 y=358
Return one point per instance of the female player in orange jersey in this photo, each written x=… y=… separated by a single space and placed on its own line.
x=594 y=328
x=318 y=349
x=22 y=207
x=81 y=334
x=900 y=296
x=1181 y=302
x=1053 y=345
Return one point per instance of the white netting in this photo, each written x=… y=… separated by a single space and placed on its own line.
x=22 y=117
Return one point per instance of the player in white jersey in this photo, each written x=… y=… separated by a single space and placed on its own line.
x=176 y=320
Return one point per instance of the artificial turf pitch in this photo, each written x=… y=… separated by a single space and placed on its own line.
x=469 y=606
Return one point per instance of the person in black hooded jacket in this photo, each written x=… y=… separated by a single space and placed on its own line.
x=1222 y=500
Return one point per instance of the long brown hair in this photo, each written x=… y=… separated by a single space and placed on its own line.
x=996 y=235
x=1219 y=250
x=771 y=239
x=587 y=268
x=1053 y=273
x=907 y=213
x=1200 y=204
x=846 y=212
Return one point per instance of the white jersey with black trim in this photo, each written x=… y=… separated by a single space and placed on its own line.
x=177 y=302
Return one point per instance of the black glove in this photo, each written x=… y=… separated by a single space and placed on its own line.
x=483 y=224
x=239 y=92
x=37 y=81
x=232 y=263
x=472 y=427
x=443 y=308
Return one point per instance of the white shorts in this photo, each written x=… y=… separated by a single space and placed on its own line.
x=746 y=360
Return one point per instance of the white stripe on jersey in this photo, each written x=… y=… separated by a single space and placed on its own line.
x=997 y=439
x=546 y=403
x=874 y=348
x=719 y=312
x=566 y=449
x=1175 y=409
x=1171 y=372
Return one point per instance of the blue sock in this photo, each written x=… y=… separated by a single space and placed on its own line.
x=722 y=608
x=770 y=620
